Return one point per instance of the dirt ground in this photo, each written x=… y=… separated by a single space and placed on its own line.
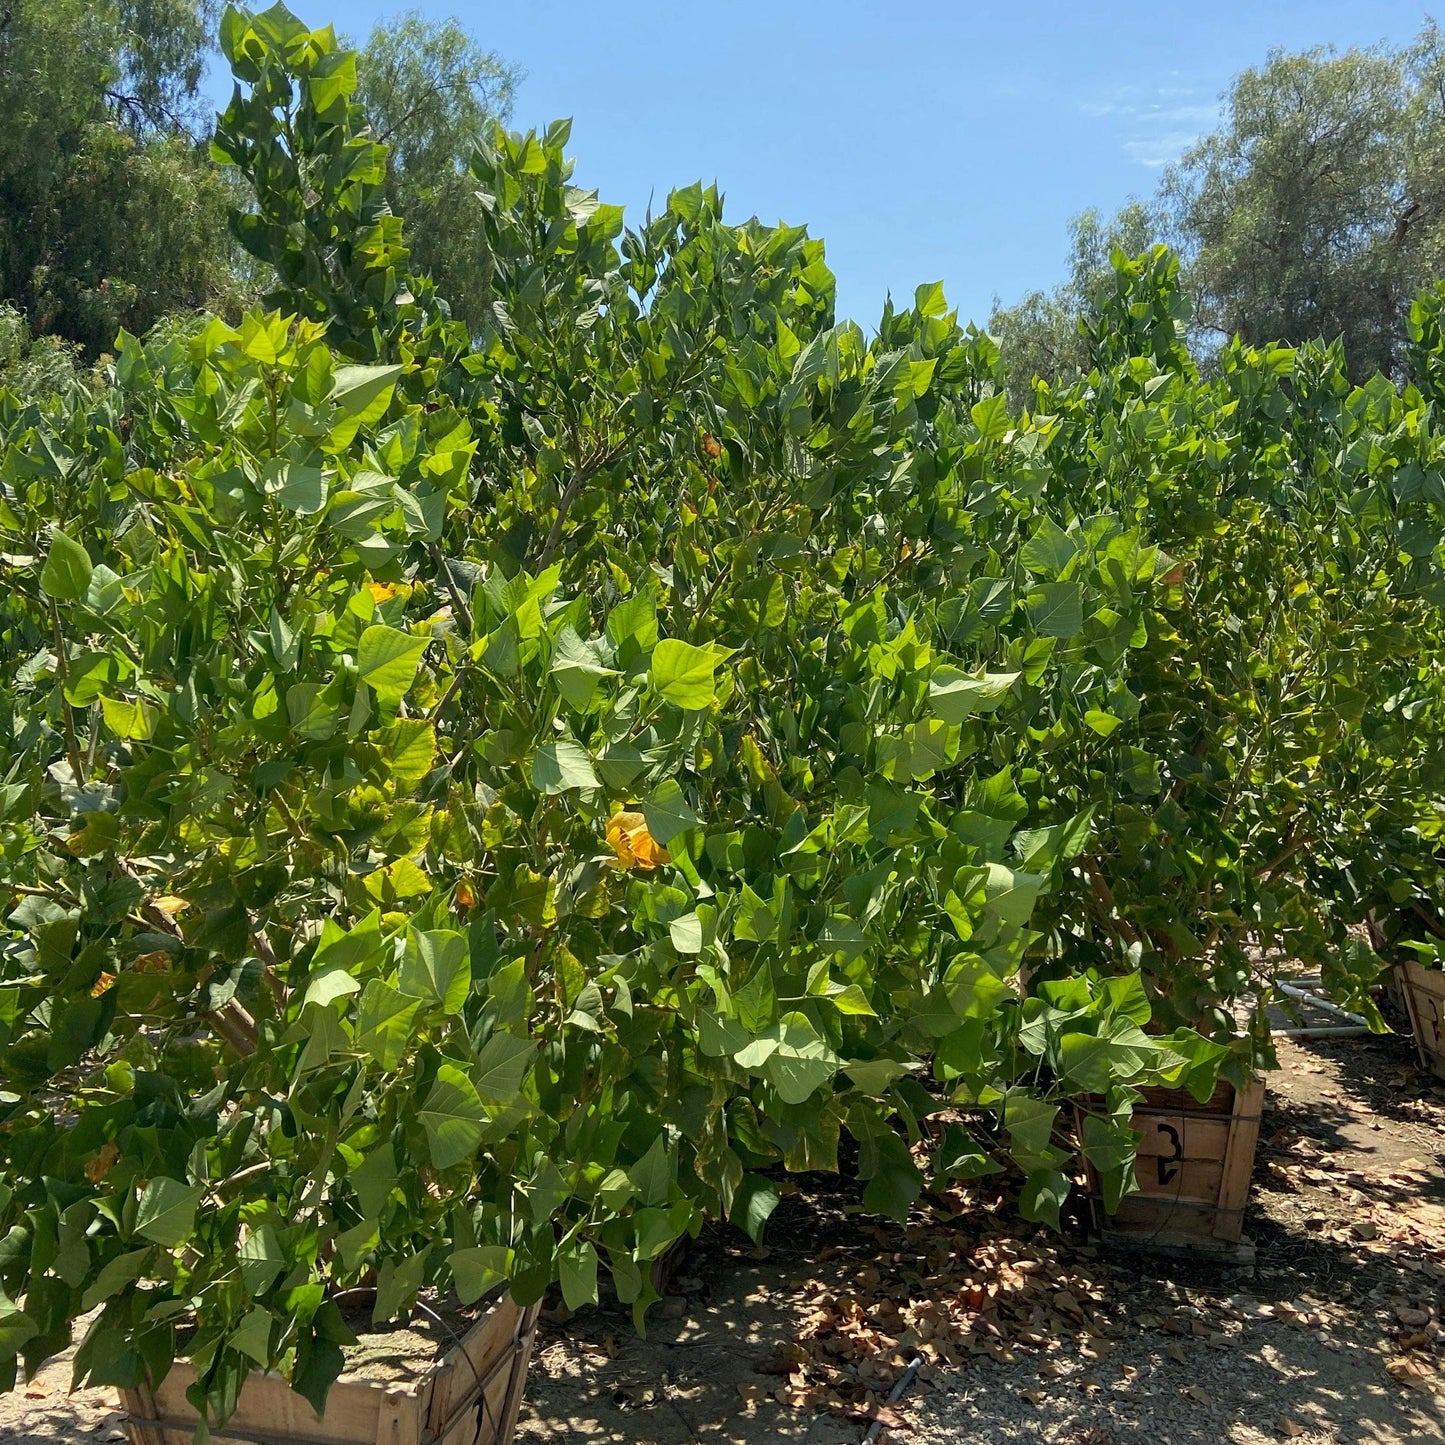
x=1333 y=1337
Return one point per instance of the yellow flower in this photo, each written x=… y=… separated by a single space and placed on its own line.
x=382 y=591
x=634 y=845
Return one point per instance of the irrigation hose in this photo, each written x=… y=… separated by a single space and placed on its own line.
x=896 y=1393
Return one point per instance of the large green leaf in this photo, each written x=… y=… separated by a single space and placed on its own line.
x=667 y=813
x=67 y=570
x=1044 y=1194
x=387 y=660
x=501 y=1067
x=686 y=675
x=954 y=696
x=1057 y=609
x=435 y=967
x=1092 y=1062
x=478 y=1270
x=562 y=766
x=166 y=1213
x=577 y=1272
x=754 y=1201
x=453 y=1117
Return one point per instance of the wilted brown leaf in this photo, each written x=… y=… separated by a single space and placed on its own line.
x=1409 y=1370
x=105 y=1157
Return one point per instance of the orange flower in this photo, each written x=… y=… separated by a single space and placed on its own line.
x=634 y=845
x=463 y=897
x=711 y=445
x=101 y=984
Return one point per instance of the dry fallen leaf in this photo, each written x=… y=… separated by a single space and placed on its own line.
x=1199 y=1395
x=1290 y=1429
x=776 y=1365
x=885 y=1415
x=1406 y=1370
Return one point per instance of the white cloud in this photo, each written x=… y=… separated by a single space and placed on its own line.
x=1158 y=150
x=1155 y=124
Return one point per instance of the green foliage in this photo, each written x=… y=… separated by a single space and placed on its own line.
x=320 y=218
x=432 y=95
x=468 y=814
x=34 y=365
x=475 y=800
x=1041 y=334
x=1273 y=792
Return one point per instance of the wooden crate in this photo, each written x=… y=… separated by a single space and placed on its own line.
x=1192 y=1174
x=1424 y=990
x=469 y=1397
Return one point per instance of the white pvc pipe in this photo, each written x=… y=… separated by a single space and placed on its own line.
x=1341 y=1031
x=1304 y=996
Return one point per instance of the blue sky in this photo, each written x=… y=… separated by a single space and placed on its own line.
x=922 y=142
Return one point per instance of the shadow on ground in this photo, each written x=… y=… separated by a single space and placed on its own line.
x=1333 y=1338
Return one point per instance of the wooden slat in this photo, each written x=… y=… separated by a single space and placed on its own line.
x=1424 y=990
x=443 y=1408
x=518 y=1387
x=1170 y=1100
x=270 y=1408
x=500 y=1356
x=477 y=1413
x=1147 y=1215
x=456 y=1376
x=1239 y=1161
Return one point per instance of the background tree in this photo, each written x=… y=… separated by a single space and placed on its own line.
x=432 y=93
x=111 y=213
x=1040 y=335
x=1293 y=215
x=1422 y=231
x=1315 y=209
